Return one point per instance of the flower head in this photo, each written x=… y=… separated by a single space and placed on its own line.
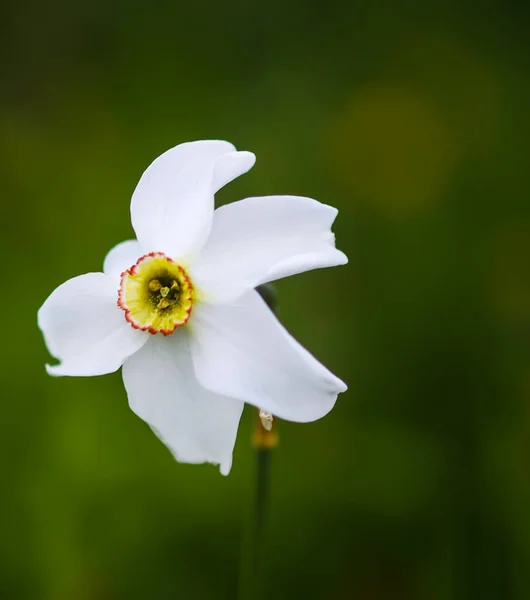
x=177 y=308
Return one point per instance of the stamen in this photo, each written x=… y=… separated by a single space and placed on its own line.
x=154 y=285
x=165 y=302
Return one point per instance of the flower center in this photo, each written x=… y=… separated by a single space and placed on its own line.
x=156 y=294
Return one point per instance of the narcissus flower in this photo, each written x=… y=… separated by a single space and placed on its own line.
x=177 y=308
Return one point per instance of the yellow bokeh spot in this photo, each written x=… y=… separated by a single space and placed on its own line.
x=392 y=149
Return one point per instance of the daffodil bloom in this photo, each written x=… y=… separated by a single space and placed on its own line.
x=178 y=310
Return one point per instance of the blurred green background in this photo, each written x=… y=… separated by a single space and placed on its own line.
x=412 y=119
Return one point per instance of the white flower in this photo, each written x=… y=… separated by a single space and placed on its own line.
x=178 y=310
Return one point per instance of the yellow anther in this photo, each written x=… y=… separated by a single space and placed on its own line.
x=164 y=303
x=175 y=285
x=164 y=292
x=154 y=285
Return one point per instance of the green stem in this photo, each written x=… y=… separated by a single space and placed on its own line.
x=263 y=460
x=252 y=571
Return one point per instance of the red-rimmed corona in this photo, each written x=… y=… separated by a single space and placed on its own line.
x=156 y=294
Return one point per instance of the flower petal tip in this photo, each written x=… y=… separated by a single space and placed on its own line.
x=53 y=370
x=342 y=259
x=225 y=467
x=247 y=158
x=342 y=387
x=231 y=165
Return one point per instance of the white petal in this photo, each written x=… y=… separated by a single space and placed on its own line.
x=195 y=424
x=121 y=257
x=261 y=239
x=243 y=351
x=84 y=328
x=172 y=205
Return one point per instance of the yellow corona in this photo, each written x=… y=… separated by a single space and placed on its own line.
x=156 y=294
